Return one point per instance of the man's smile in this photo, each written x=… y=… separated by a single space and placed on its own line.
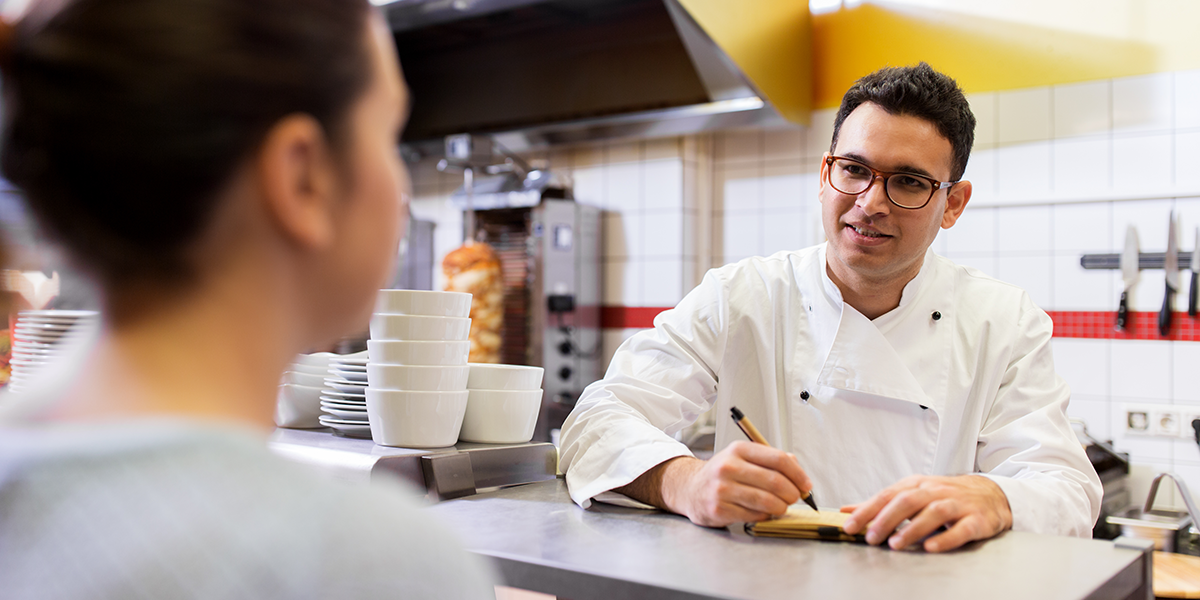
x=864 y=233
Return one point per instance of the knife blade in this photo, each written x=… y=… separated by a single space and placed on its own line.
x=1171 y=266
x=1129 y=274
x=1195 y=275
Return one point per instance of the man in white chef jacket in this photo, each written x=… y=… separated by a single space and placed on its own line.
x=888 y=380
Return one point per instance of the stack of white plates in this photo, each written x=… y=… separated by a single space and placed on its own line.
x=39 y=337
x=343 y=398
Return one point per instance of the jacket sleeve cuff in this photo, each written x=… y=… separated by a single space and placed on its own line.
x=632 y=464
x=1038 y=509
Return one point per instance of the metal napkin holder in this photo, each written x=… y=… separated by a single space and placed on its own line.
x=1170 y=530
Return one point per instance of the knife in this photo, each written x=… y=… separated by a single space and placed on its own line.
x=1195 y=271
x=1171 y=266
x=1129 y=273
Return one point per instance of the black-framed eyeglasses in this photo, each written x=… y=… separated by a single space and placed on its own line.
x=906 y=190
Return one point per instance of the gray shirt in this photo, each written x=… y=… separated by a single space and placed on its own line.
x=161 y=509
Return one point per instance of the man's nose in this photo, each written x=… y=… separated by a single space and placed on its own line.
x=874 y=201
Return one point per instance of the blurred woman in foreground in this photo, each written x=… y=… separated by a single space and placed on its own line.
x=227 y=171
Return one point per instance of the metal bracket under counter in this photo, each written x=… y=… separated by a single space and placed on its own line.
x=1146 y=260
x=443 y=473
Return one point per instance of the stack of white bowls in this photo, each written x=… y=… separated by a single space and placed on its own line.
x=39 y=337
x=417 y=372
x=503 y=402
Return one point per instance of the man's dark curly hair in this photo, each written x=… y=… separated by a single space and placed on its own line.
x=920 y=92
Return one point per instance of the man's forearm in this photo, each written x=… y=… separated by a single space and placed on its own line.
x=656 y=486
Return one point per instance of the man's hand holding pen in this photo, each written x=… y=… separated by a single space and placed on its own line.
x=971 y=507
x=745 y=482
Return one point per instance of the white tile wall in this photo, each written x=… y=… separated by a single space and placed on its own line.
x=1024 y=116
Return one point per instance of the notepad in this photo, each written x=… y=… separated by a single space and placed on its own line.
x=804 y=524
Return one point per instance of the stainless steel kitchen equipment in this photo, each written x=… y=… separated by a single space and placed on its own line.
x=443 y=473
x=544 y=72
x=1170 y=530
x=540 y=541
x=549 y=248
x=1113 y=468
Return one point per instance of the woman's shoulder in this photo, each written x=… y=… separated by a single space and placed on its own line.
x=218 y=507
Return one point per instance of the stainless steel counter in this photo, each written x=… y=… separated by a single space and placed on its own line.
x=543 y=542
x=445 y=472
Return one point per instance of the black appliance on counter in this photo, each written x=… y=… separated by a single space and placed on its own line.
x=1113 y=469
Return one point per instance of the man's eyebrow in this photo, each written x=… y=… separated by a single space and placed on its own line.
x=901 y=169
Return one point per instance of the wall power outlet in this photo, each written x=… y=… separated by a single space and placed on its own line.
x=1159 y=420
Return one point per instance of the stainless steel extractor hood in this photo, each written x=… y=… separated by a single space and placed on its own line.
x=538 y=72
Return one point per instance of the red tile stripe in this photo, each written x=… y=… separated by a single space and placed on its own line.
x=1067 y=323
x=629 y=317
x=1141 y=326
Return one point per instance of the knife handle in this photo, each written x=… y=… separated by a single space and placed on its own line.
x=1123 y=311
x=1164 y=315
x=1192 y=295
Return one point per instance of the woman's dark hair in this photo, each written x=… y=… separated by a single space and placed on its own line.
x=124 y=118
x=919 y=92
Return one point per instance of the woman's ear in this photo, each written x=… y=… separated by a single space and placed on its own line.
x=297 y=179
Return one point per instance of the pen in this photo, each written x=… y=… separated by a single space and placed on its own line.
x=751 y=432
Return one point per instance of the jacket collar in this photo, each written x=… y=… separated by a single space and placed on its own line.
x=862 y=358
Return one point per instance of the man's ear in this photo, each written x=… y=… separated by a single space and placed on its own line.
x=956 y=201
x=298 y=179
x=823 y=175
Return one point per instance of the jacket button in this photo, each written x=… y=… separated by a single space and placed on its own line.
x=937 y=316
x=804 y=395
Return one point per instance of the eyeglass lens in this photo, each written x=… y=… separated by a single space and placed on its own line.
x=850 y=177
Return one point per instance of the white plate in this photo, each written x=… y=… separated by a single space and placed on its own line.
x=359 y=396
x=343 y=405
x=35 y=339
x=54 y=326
x=354 y=376
x=33 y=345
x=348 y=415
x=31 y=362
x=43 y=337
x=62 y=314
x=359 y=402
x=346 y=428
x=341 y=385
x=350 y=360
x=348 y=368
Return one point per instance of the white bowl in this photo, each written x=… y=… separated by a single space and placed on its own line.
x=500 y=416
x=411 y=419
x=385 y=326
x=418 y=377
x=487 y=376
x=298 y=406
x=421 y=302
x=404 y=352
x=305 y=379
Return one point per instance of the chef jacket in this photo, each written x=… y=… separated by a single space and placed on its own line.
x=957 y=379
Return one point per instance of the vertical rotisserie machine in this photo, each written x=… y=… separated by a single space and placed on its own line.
x=550 y=252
